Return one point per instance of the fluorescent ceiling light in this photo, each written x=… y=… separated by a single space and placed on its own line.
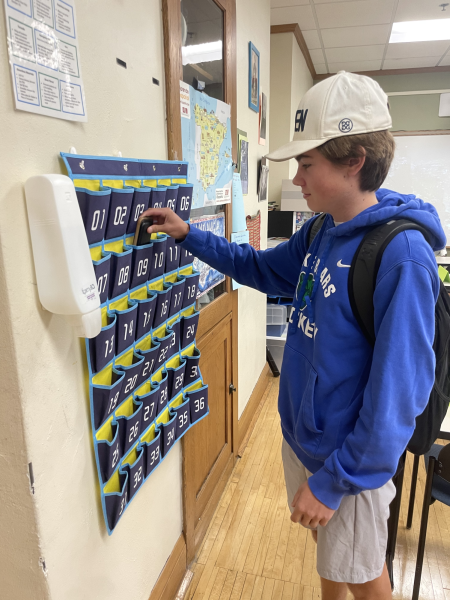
x=420 y=31
x=201 y=53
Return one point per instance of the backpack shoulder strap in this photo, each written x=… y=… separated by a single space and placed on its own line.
x=364 y=270
x=316 y=227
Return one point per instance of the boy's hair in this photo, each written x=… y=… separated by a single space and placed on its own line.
x=379 y=149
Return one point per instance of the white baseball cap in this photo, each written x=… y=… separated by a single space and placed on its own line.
x=345 y=104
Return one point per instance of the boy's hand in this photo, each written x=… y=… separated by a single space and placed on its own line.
x=166 y=221
x=309 y=511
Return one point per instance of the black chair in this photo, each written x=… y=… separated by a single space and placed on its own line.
x=437 y=487
x=394 y=514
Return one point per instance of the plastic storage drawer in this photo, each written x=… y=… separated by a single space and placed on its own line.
x=276 y=319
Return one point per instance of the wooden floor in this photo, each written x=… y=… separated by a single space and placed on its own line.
x=252 y=551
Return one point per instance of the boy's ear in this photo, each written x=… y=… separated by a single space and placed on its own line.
x=355 y=164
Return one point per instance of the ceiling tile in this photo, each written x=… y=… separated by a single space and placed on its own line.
x=445 y=62
x=416 y=49
x=355 y=52
x=321 y=69
x=354 y=66
x=283 y=3
x=312 y=39
x=295 y=14
x=352 y=14
x=411 y=63
x=365 y=35
x=317 y=56
x=418 y=10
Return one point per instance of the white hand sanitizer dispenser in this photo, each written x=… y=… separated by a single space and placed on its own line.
x=65 y=275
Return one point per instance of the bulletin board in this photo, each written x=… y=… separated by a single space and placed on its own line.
x=145 y=386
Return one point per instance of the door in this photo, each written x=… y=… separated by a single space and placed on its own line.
x=208 y=450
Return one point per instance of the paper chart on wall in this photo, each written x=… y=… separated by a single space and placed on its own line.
x=206 y=142
x=44 y=58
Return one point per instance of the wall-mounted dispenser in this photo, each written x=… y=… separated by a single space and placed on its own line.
x=65 y=275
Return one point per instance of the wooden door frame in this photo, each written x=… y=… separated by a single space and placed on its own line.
x=227 y=303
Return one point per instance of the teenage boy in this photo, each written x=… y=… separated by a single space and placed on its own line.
x=347 y=410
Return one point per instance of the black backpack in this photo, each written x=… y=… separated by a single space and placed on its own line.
x=361 y=286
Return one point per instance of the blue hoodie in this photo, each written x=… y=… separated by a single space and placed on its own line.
x=347 y=410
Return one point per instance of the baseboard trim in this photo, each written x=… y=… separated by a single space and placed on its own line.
x=173 y=573
x=252 y=411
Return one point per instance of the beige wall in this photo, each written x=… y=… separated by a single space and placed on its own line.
x=289 y=80
x=43 y=409
x=253 y=24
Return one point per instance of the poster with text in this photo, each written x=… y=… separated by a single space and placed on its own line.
x=44 y=58
x=209 y=277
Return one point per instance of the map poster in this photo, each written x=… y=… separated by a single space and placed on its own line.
x=209 y=277
x=206 y=142
x=44 y=57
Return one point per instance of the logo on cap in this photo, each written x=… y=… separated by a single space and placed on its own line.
x=300 y=120
x=346 y=125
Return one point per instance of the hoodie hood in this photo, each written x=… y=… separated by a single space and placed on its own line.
x=392 y=205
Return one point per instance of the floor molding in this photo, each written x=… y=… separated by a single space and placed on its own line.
x=253 y=409
x=172 y=574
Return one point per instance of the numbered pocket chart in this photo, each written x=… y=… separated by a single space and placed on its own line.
x=145 y=385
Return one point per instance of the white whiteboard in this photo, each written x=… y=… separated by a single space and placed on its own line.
x=421 y=167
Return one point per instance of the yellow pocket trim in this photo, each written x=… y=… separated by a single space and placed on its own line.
x=160 y=332
x=127 y=408
x=150 y=183
x=164 y=417
x=88 y=184
x=104 y=316
x=140 y=294
x=104 y=377
x=133 y=183
x=129 y=240
x=188 y=312
x=189 y=270
x=126 y=359
x=158 y=375
x=131 y=457
x=171 y=278
x=173 y=320
x=194 y=386
x=145 y=344
x=105 y=431
x=157 y=285
x=145 y=389
x=177 y=401
x=164 y=182
x=189 y=351
x=116 y=246
x=175 y=181
x=113 y=484
x=96 y=253
x=121 y=304
x=117 y=184
x=150 y=435
x=174 y=362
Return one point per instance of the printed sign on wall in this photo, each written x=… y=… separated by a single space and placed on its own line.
x=44 y=58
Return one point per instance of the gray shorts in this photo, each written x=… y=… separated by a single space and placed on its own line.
x=351 y=548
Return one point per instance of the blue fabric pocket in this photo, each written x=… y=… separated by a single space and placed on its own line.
x=94 y=207
x=140 y=203
x=184 y=201
x=119 y=212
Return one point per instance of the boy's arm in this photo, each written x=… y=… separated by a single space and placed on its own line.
x=398 y=389
x=274 y=271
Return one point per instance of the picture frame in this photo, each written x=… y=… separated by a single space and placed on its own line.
x=253 y=77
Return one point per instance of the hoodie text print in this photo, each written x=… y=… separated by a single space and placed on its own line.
x=347 y=410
